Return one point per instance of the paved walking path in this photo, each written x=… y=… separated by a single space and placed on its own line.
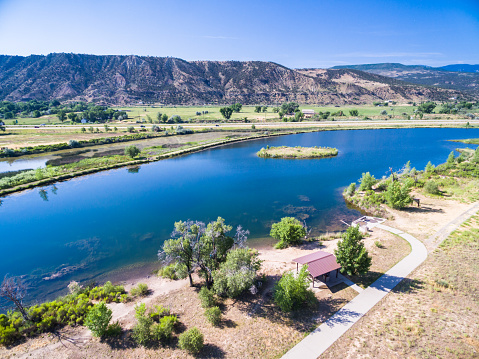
x=327 y=333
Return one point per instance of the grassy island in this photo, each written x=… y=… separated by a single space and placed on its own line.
x=297 y=152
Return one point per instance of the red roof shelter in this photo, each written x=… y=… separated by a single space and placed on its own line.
x=319 y=263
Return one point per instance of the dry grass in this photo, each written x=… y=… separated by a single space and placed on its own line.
x=433 y=314
x=297 y=152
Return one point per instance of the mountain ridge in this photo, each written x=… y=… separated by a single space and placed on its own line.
x=124 y=79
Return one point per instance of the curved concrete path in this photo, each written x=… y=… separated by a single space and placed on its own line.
x=327 y=333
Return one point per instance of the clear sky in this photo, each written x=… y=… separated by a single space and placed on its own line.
x=301 y=33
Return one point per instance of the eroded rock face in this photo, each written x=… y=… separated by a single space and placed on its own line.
x=127 y=79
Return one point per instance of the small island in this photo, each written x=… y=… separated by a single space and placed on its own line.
x=297 y=152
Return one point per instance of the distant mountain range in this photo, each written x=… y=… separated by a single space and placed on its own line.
x=457 y=77
x=166 y=80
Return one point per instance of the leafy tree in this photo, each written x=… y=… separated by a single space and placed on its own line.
x=275 y=109
x=129 y=129
x=351 y=253
x=237 y=273
x=164 y=118
x=98 y=319
x=450 y=160
x=264 y=109
x=257 y=109
x=384 y=112
x=367 y=182
x=475 y=157
x=350 y=190
x=354 y=113
x=132 y=151
x=36 y=114
x=237 y=107
x=289 y=107
x=432 y=188
x=427 y=107
x=226 y=112
x=175 y=119
x=288 y=231
x=73 y=116
x=159 y=117
x=292 y=292
x=397 y=194
x=181 y=249
x=61 y=115
x=298 y=116
x=429 y=167
x=192 y=340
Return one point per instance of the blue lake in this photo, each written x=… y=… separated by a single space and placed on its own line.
x=107 y=224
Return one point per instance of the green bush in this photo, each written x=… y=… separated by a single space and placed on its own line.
x=367 y=182
x=173 y=271
x=142 y=330
x=191 y=340
x=397 y=195
x=213 y=315
x=113 y=330
x=132 y=151
x=108 y=292
x=98 y=319
x=141 y=290
x=288 y=231
x=237 y=274
x=351 y=253
x=164 y=329
x=431 y=187
x=291 y=292
x=350 y=190
x=159 y=312
x=207 y=297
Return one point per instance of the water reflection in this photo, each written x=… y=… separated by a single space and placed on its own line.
x=135 y=169
x=43 y=194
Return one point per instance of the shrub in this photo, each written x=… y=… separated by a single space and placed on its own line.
x=350 y=190
x=141 y=290
x=173 y=271
x=159 y=312
x=191 y=340
x=98 y=319
x=432 y=188
x=130 y=129
x=291 y=291
x=351 y=253
x=207 y=297
x=113 y=330
x=429 y=168
x=73 y=143
x=397 y=195
x=237 y=273
x=288 y=231
x=164 y=329
x=142 y=329
x=213 y=315
x=367 y=182
x=132 y=151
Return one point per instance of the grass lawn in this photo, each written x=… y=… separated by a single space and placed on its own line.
x=297 y=152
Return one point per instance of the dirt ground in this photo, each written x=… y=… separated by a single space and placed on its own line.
x=432 y=314
x=247 y=325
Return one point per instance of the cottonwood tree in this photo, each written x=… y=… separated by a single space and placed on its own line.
x=288 y=231
x=14 y=289
x=226 y=112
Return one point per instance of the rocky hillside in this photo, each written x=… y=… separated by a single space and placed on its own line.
x=457 y=77
x=129 y=79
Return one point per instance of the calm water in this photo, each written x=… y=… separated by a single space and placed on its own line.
x=97 y=226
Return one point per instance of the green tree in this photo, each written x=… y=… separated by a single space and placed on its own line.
x=291 y=292
x=164 y=118
x=192 y=340
x=73 y=117
x=288 y=231
x=132 y=151
x=367 y=182
x=159 y=117
x=450 y=160
x=298 y=116
x=237 y=107
x=351 y=253
x=289 y=107
x=354 y=113
x=264 y=109
x=397 y=194
x=257 y=109
x=427 y=107
x=98 y=319
x=237 y=273
x=226 y=112
x=61 y=115
x=429 y=167
x=181 y=249
x=213 y=315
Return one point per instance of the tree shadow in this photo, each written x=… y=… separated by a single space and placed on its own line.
x=365 y=280
x=227 y=323
x=121 y=342
x=211 y=351
x=409 y=285
x=422 y=209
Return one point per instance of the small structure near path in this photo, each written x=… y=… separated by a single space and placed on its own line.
x=367 y=223
x=319 y=263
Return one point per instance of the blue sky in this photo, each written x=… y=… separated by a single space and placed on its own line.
x=301 y=33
